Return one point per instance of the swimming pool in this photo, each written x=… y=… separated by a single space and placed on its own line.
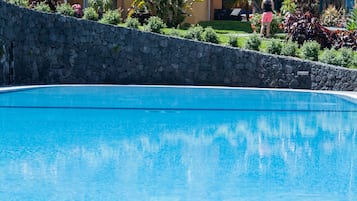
x=176 y=143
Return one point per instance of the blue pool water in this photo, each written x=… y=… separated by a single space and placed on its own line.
x=166 y=143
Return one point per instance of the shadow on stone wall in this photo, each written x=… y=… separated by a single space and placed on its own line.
x=44 y=48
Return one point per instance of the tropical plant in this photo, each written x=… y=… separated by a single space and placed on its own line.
x=342 y=57
x=329 y=57
x=108 y=5
x=22 y=3
x=289 y=49
x=233 y=41
x=304 y=27
x=210 y=35
x=194 y=33
x=346 y=56
x=310 y=50
x=352 y=20
x=96 y=4
x=253 y=42
x=274 y=47
x=111 y=17
x=175 y=32
x=342 y=38
x=289 y=6
x=132 y=23
x=311 y=6
x=332 y=17
x=65 y=9
x=154 y=24
x=43 y=7
x=171 y=12
x=90 y=14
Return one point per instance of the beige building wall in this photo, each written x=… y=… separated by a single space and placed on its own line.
x=215 y=4
x=204 y=11
x=124 y=5
x=199 y=12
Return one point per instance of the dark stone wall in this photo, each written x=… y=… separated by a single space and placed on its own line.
x=42 y=48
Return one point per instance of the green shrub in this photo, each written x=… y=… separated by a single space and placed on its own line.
x=274 y=47
x=342 y=57
x=172 y=13
x=108 y=5
x=209 y=35
x=289 y=49
x=90 y=14
x=22 y=3
x=95 y=4
x=253 y=42
x=65 y=9
x=331 y=16
x=329 y=57
x=132 y=23
x=43 y=7
x=194 y=33
x=111 y=17
x=154 y=24
x=354 y=61
x=175 y=32
x=233 y=41
x=310 y=50
x=288 y=6
x=345 y=56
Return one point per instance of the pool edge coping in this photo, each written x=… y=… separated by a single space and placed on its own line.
x=349 y=94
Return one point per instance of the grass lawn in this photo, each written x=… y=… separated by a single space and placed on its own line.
x=229 y=27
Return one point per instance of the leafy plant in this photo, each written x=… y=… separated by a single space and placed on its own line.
x=329 y=57
x=341 y=39
x=22 y=3
x=95 y=4
x=354 y=61
x=233 y=41
x=311 y=6
x=90 y=14
x=352 y=20
x=154 y=24
x=171 y=12
x=65 y=9
x=111 y=17
x=209 y=35
x=310 y=50
x=304 y=27
x=194 y=33
x=289 y=49
x=108 y=5
x=342 y=57
x=274 y=47
x=175 y=32
x=253 y=42
x=132 y=23
x=345 y=56
x=43 y=7
x=288 y=6
x=332 y=17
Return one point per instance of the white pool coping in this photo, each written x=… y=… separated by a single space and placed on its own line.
x=350 y=94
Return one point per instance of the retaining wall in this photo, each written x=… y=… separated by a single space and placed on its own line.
x=42 y=48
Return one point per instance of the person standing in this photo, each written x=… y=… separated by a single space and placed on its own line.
x=267 y=17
